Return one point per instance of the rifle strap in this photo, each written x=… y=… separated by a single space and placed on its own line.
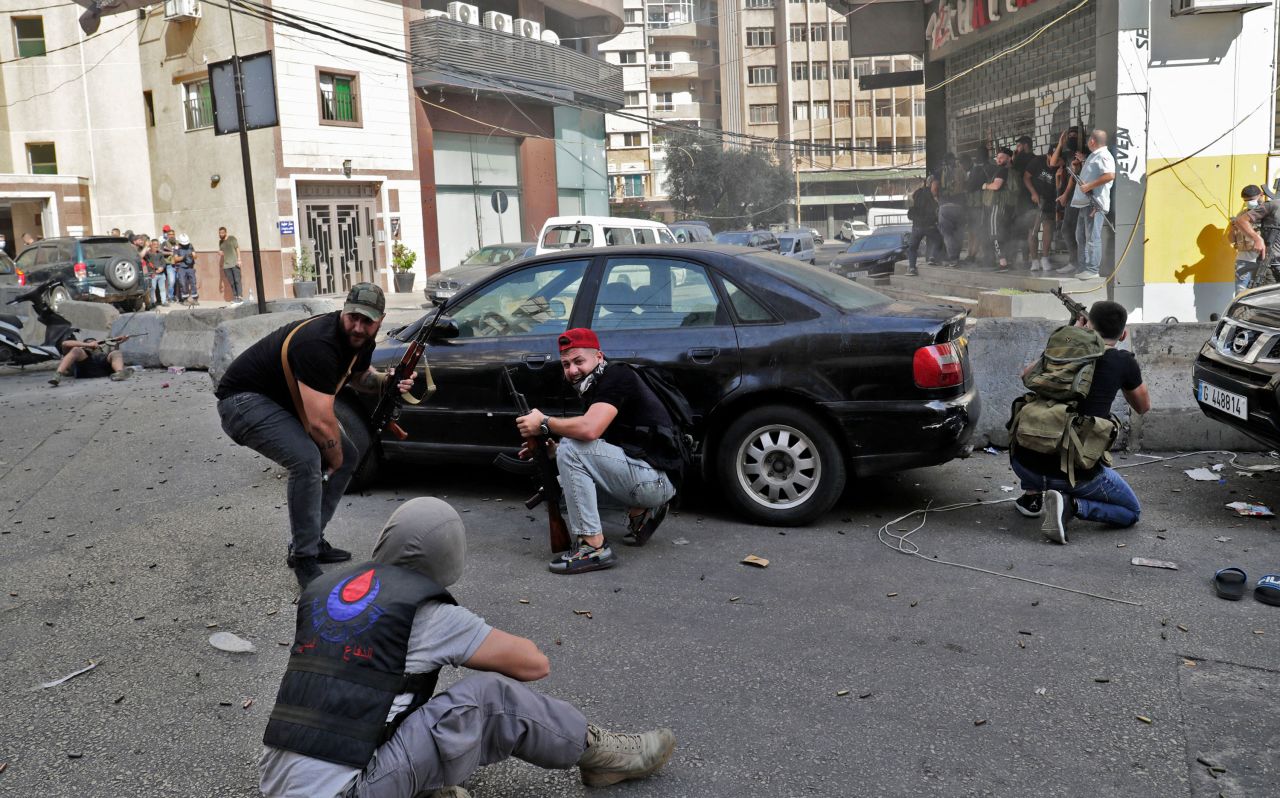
x=292 y=382
x=408 y=398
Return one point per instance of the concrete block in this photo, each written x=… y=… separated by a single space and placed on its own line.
x=234 y=336
x=93 y=318
x=313 y=306
x=993 y=304
x=999 y=349
x=145 y=350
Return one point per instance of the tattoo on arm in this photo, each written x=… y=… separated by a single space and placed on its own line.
x=329 y=444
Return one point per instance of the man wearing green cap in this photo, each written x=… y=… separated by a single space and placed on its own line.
x=277 y=399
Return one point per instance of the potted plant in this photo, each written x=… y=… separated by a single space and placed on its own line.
x=402 y=260
x=304 y=275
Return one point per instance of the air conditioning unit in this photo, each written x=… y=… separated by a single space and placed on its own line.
x=1181 y=7
x=182 y=9
x=432 y=13
x=550 y=37
x=527 y=29
x=494 y=20
x=465 y=13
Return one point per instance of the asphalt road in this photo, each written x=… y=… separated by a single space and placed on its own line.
x=131 y=529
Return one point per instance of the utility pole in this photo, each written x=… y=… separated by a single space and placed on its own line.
x=245 y=162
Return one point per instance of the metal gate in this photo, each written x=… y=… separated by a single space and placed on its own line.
x=338 y=228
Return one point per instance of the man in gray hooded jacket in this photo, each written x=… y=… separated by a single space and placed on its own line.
x=375 y=635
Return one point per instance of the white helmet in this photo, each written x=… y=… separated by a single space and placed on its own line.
x=184 y=239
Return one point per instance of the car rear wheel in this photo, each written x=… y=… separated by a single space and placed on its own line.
x=356 y=427
x=780 y=466
x=55 y=296
x=122 y=274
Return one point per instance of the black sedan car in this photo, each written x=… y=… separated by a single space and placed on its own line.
x=481 y=263
x=1237 y=373
x=798 y=377
x=759 y=239
x=90 y=269
x=874 y=254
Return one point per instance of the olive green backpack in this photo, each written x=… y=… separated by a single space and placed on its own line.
x=1045 y=419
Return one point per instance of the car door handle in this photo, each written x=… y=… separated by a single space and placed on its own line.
x=703 y=354
x=536 y=361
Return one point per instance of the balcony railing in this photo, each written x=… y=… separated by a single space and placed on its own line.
x=685 y=111
x=448 y=53
x=673 y=69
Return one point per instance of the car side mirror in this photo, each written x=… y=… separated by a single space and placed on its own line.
x=558 y=309
x=445 y=328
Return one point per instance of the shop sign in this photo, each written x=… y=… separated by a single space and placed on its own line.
x=952 y=20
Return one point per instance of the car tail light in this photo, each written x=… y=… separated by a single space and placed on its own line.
x=22 y=278
x=82 y=271
x=938 y=366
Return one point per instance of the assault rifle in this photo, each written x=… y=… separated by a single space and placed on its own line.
x=387 y=411
x=109 y=345
x=544 y=473
x=1077 y=310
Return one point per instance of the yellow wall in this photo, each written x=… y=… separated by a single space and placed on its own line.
x=1187 y=211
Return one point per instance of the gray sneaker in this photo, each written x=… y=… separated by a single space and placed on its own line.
x=1070 y=268
x=1058 y=512
x=120 y=376
x=583 y=557
x=1086 y=274
x=611 y=757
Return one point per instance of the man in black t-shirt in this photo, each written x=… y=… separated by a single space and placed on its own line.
x=608 y=455
x=999 y=202
x=1100 y=493
x=288 y=416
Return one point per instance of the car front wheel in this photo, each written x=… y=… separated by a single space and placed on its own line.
x=55 y=296
x=780 y=466
x=355 y=425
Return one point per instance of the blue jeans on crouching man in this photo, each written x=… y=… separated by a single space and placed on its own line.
x=253 y=420
x=597 y=475
x=1106 y=498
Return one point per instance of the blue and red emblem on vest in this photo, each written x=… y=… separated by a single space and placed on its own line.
x=348 y=611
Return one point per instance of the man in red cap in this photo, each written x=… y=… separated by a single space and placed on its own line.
x=609 y=457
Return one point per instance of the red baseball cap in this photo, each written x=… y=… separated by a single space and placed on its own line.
x=167 y=229
x=578 y=338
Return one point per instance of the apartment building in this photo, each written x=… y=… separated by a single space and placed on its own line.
x=787 y=72
x=668 y=54
x=117 y=129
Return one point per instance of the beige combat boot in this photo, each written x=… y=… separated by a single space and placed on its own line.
x=611 y=757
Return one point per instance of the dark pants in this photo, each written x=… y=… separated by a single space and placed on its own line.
x=253 y=420
x=998 y=224
x=951 y=223
x=919 y=234
x=187 y=283
x=233 y=279
x=1069 y=217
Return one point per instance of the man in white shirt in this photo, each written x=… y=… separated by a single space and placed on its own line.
x=1094 y=199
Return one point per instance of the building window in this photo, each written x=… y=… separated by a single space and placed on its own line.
x=884 y=147
x=42 y=159
x=762 y=75
x=841 y=109
x=664 y=101
x=759 y=4
x=917 y=107
x=339 y=98
x=797 y=2
x=902 y=107
x=760 y=37
x=884 y=107
x=633 y=186
x=843 y=146
x=840 y=70
x=820 y=71
x=863 y=145
x=149 y=108
x=861 y=67
x=839 y=32
x=28 y=32
x=629 y=57
x=633 y=16
x=662 y=60
x=764 y=114
x=862 y=108
x=817 y=33
x=883 y=67
x=799 y=70
x=635 y=98
x=633 y=139
x=799 y=32
x=197 y=101
x=822 y=110
x=799 y=111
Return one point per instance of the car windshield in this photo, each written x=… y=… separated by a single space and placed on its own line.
x=839 y=291
x=489 y=255
x=872 y=243
x=567 y=236
x=741 y=239
x=787 y=243
x=108 y=249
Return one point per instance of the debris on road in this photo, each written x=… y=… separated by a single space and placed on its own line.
x=1144 y=719
x=523 y=601
x=92 y=664
x=981 y=722
x=1202 y=475
x=1222 y=539
x=1247 y=510
x=759 y=562
x=226 y=641
x=680 y=542
x=841 y=693
x=584 y=613
x=1149 y=563
x=248 y=702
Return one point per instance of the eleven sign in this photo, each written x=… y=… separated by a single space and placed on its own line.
x=952 y=19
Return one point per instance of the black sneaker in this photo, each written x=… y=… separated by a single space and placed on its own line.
x=641 y=527
x=582 y=558
x=1058 y=512
x=306 y=570
x=330 y=554
x=913 y=272
x=1030 y=504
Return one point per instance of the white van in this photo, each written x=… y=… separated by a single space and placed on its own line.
x=573 y=232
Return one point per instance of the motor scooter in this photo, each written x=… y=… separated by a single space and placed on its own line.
x=14 y=351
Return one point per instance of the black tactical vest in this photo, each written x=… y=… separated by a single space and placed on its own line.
x=347 y=663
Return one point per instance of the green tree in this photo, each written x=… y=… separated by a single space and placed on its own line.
x=730 y=187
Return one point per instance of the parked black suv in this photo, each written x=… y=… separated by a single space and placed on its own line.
x=797 y=376
x=1237 y=373
x=90 y=269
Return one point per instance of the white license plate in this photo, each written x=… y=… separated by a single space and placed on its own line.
x=1226 y=401
x=443 y=294
x=96 y=291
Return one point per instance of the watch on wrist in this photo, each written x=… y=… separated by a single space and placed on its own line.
x=544 y=429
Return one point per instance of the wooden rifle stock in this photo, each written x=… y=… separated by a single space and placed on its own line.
x=548 y=479
x=387 y=411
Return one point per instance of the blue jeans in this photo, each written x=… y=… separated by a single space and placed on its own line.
x=1106 y=498
x=158 y=290
x=253 y=420
x=918 y=234
x=596 y=474
x=1089 y=238
x=171 y=275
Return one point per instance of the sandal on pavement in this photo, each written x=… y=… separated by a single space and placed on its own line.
x=1229 y=583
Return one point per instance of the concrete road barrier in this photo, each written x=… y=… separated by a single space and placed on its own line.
x=145 y=350
x=93 y=318
x=233 y=337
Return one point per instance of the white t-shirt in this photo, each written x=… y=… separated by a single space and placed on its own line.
x=442 y=634
x=1095 y=166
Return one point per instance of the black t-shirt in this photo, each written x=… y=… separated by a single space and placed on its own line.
x=637 y=406
x=1117 y=370
x=318 y=355
x=1043 y=178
